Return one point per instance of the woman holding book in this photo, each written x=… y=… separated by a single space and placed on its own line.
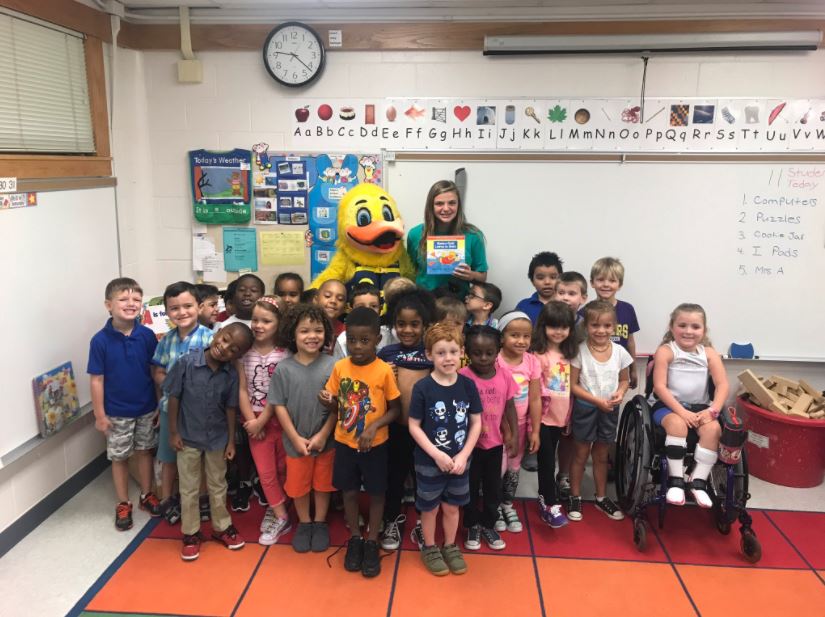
x=444 y=216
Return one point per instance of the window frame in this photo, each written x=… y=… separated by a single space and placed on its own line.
x=51 y=166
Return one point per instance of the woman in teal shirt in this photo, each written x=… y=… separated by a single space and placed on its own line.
x=444 y=216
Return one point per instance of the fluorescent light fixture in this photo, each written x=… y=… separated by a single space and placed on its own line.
x=636 y=43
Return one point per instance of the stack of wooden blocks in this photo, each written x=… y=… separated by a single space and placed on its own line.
x=785 y=396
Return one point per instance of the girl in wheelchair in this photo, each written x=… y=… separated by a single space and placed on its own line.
x=682 y=400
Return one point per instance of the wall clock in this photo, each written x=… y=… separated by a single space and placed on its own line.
x=293 y=54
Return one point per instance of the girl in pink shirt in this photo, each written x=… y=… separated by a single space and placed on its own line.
x=554 y=343
x=516 y=333
x=496 y=389
x=265 y=433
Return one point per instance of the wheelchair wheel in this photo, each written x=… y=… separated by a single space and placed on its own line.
x=751 y=547
x=632 y=454
x=640 y=534
x=727 y=509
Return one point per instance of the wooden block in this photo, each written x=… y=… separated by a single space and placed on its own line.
x=800 y=408
x=780 y=390
x=817 y=415
x=793 y=397
x=767 y=382
x=816 y=408
x=806 y=387
x=779 y=407
x=784 y=381
x=763 y=396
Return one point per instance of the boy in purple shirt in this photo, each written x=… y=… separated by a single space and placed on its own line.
x=607 y=278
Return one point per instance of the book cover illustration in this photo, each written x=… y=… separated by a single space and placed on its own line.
x=444 y=253
x=55 y=399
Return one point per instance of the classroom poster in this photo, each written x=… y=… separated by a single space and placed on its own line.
x=444 y=253
x=55 y=399
x=283 y=248
x=240 y=249
x=221 y=185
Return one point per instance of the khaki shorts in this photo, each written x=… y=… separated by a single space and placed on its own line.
x=130 y=434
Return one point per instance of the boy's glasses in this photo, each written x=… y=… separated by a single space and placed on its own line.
x=472 y=295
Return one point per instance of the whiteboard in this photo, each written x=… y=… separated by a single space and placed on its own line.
x=686 y=232
x=56 y=260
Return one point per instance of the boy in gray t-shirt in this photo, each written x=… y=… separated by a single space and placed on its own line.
x=306 y=421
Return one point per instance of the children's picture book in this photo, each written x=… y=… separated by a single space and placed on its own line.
x=55 y=399
x=444 y=253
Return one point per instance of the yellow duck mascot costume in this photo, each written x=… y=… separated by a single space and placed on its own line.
x=370 y=245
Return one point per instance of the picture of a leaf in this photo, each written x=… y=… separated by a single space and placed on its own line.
x=557 y=114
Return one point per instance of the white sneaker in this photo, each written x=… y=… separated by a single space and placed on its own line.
x=676 y=496
x=699 y=493
x=274 y=530
x=676 y=491
x=511 y=518
x=269 y=518
x=501 y=524
x=391 y=535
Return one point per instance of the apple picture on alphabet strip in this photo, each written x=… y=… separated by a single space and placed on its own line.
x=302 y=114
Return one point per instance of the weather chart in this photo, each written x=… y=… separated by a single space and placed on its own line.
x=607 y=124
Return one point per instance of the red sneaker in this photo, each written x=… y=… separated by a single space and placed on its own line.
x=191 y=547
x=230 y=538
x=151 y=504
x=123 y=516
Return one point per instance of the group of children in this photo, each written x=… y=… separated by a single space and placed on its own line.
x=407 y=393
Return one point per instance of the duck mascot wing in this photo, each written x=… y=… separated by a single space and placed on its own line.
x=370 y=246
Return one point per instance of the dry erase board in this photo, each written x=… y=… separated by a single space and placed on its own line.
x=56 y=260
x=745 y=240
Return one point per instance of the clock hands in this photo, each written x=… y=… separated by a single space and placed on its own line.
x=293 y=55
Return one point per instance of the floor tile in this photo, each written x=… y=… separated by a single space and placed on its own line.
x=593 y=537
x=288 y=583
x=807 y=532
x=690 y=537
x=722 y=592
x=574 y=588
x=211 y=585
x=493 y=585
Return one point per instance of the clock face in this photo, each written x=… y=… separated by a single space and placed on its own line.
x=293 y=54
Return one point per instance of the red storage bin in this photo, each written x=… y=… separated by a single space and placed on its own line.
x=783 y=449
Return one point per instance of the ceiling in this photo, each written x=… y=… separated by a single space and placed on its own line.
x=224 y=11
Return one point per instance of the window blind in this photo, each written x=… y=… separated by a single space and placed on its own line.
x=44 y=97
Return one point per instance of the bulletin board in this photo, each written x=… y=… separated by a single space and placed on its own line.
x=293 y=227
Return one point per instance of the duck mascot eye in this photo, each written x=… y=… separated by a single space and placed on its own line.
x=370 y=245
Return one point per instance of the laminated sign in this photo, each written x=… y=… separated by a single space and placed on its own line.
x=221 y=186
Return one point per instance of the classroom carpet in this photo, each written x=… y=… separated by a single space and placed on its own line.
x=590 y=567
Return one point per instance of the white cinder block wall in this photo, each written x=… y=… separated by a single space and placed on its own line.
x=238 y=104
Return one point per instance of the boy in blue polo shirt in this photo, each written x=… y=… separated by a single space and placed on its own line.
x=544 y=271
x=123 y=395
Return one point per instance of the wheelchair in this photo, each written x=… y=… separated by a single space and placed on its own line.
x=641 y=477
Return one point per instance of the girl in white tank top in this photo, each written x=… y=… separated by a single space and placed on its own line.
x=681 y=368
